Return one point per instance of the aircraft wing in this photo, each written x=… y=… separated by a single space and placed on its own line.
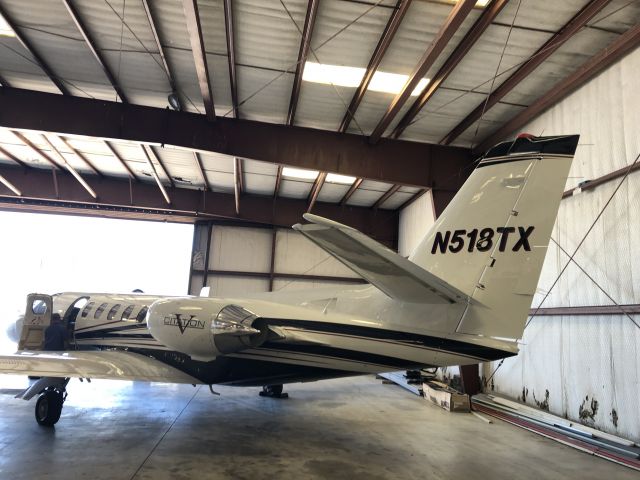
x=118 y=365
x=393 y=274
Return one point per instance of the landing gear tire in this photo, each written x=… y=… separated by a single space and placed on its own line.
x=49 y=407
x=273 y=391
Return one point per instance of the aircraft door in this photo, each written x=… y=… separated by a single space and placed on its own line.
x=37 y=318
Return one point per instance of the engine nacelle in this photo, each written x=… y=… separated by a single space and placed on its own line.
x=203 y=328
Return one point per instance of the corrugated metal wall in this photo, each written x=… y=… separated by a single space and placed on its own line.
x=244 y=260
x=415 y=220
x=587 y=368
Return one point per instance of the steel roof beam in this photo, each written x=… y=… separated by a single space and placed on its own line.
x=458 y=14
x=395 y=19
x=148 y=154
x=37 y=151
x=413 y=198
x=70 y=168
x=24 y=41
x=81 y=156
x=205 y=181
x=238 y=186
x=276 y=188
x=154 y=155
x=417 y=164
x=231 y=55
x=489 y=13
x=352 y=189
x=303 y=53
x=315 y=190
x=386 y=196
x=545 y=51
x=75 y=16
x=194 y=27
x=156 y=36
x=117 y=156
x=10 y=186
x=12 y=157
x=621 y=46
x=187 y=205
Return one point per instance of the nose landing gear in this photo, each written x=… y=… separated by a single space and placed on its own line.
x=273 y=391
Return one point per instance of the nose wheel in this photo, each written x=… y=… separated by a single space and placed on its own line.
x=273 y=391
x=49 y=406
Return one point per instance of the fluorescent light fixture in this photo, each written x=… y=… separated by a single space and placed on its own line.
x=343 y=179
x=5 y=29
x=299 y=173
x=352 y=76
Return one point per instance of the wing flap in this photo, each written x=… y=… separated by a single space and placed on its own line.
x=396 y=276
x=92 y=364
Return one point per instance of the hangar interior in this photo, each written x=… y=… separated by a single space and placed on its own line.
x=240 y=116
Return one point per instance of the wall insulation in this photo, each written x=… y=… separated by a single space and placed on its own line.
x=587 y=368
x=243 y=260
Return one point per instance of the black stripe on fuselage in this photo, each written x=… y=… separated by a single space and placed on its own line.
x=445 y=345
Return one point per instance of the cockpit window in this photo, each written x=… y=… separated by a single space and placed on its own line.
x=127 y=312
x=113 y=311
x=87 y=309
x=100 y=310
x=142 y=314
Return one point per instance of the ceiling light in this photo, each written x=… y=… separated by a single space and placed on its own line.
x=343 y=179
x=352 y=76
x=174 y=101
x=299 y=173
x=5 y=29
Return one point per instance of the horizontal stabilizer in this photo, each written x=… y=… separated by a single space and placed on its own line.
x=115 y=365
x=393 y=274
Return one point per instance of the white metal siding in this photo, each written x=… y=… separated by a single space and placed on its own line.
x=575 y=357
x=415 y=220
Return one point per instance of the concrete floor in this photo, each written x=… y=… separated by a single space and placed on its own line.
x=340 y=429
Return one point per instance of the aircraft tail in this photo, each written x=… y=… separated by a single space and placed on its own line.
x=491 y=240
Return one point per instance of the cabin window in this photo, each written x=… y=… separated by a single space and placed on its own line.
x=113 y=311
x=87 y=309
x=100 y=310
x=142 y=314
x=39 y=307
x=127 y=312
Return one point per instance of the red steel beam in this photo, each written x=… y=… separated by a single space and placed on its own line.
x=386 y=196
x=448 y=29
x=156 y=37
x=121 y=161
x=417 y=164
x=199 y=56
x=24 y=41
x=395 y=19
x=12 y=157
x=489 y=13
x=303 y=52
x=545 y=51
x=621 y=46
x=231 y=55
x=237 y=183
x=38 y=152
x=352 y=189
x=205 y=181
x=81 y=156
x=315 y=190
x=187 y=205
x=77 y=19
x=276 y=189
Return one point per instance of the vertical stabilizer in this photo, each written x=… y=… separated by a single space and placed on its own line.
x=491 y=240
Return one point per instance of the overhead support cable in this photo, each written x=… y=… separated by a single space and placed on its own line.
x=81 y=156
x=154 y=173
x=231 y=55
x=315 y=190
x=156 y=37
x=621 y=46
x=545 y=51
x=117 y=156
x=352 y=189
x=24 y=41
x=69 y=167
x=194 y=27
x=386 y=196
x=489 y=13
x=12 y=157
x=198 y=160
x=10 y=186
x=303 y=53
x=395 y=19
x=449 y=28
x=77 y=19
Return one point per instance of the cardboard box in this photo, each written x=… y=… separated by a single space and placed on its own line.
x=446 y=398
